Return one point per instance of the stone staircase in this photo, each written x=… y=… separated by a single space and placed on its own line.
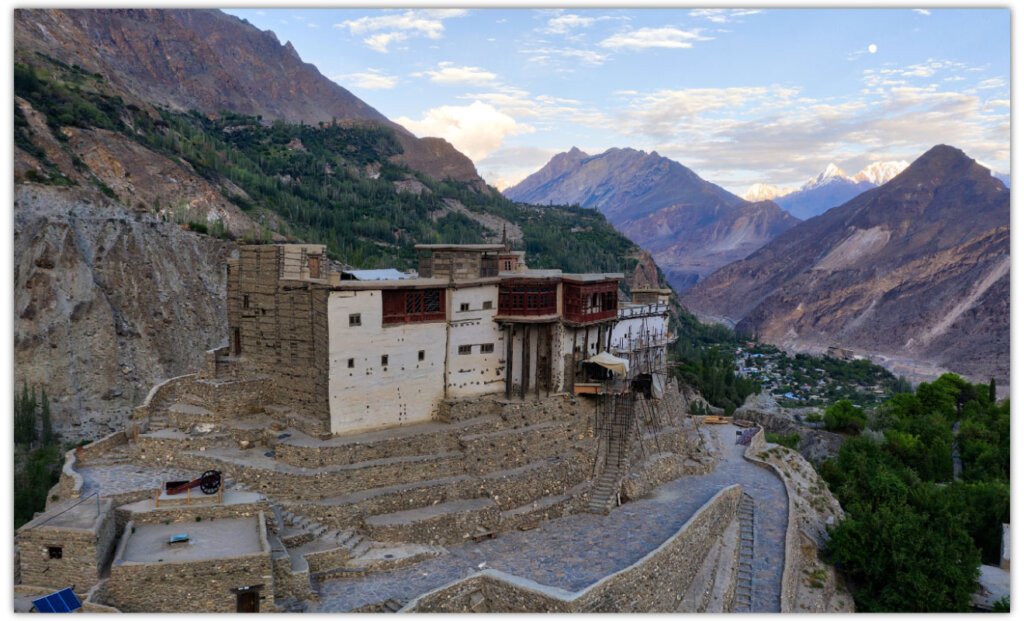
x=745 y=569
x=305 y=530
x=616 y=434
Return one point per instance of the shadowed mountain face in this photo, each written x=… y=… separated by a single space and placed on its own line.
x=209 y=61
x=691 y=226
x=916 y=270
x=810 y=202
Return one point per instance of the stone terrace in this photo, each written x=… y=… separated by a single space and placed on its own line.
x=574 y=552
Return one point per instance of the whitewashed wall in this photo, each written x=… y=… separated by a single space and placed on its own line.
x=475 y=373
x=371 y=396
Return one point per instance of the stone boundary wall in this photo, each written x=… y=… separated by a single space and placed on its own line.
x=289 y=582
x=70 y=483
x=293 y=483
x=157 y=394
x=441 y=529
x=655 y=583
x=98 y=447
x=791 y=569
x=188 y=586
x=188 y=513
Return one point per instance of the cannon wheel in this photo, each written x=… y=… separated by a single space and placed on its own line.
x=209 y=483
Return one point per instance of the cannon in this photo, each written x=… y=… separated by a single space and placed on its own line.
x=209 y=482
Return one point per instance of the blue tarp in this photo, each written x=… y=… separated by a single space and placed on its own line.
x=64 y=600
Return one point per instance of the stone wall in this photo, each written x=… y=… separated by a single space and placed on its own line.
x=655 y=583
x=99 y=447
x=193 y=586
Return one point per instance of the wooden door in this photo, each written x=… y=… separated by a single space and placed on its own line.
x=247 y=601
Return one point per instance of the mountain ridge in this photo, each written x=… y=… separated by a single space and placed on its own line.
x=690 y=225
x=880 y=271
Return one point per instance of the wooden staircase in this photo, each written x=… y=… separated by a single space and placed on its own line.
x=616 y=429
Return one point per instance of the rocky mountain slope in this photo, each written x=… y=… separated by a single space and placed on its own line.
x=916 y=271
x=689 y=225
x=126 y=206
x=209 y=61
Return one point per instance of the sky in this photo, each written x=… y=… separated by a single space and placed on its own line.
x=740 y=96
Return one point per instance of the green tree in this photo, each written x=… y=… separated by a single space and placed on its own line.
x=845 y=416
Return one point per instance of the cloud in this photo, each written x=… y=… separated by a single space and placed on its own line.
x=371 y=79
x=511 y=164
x=566 y=23
x=450 y=73
x=476 y=130
x=556 y=55
x=643 y=38
x=778 y=134
x=383 y=30
x=922 y=11
x=721 y=16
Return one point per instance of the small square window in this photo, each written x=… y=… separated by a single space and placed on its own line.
x=351 y=363
x=423 y=354
x=487 y=348
x=464 y=306
x=488 y=304
x=355 y=319
x=55 y=552
x=465 y=349
x=384 y=360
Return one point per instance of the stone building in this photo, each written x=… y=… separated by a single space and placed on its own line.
x=354 y=355
x=67 y=546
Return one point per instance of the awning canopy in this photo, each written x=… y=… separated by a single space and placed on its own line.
x=618 y=366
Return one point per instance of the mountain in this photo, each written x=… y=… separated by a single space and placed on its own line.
x=765 y=192
x=690 y=225
x=829 y=188
x=206 y=60
x=1004 y=177
x=128 y=199
x=916 y=271
x=879 y=173
x=833 y=187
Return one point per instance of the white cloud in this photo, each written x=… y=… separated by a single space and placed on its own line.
x=991 y=83
x=922 y=11
x=383 y=30
x=721 y=16
x=554 y=55
x=566 y=23
x=450 y=73
x=476 y=130
x=371 y=79
x=643 y=38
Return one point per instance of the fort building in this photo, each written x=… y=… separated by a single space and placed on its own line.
x=360 y=354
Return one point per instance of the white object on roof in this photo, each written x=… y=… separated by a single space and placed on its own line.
x=618 y=366
x=389 y=273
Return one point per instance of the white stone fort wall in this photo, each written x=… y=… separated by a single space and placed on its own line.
x=371 y=395
x=477 y=372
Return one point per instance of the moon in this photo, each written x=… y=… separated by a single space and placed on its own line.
x=872 y=48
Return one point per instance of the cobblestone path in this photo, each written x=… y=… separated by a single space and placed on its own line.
x=576 y=551
x=120 y=478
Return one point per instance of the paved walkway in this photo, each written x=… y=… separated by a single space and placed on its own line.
x=128 y=477
x=574 y=552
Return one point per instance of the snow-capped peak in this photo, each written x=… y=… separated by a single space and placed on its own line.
x=830 y=174
x=765 y=192
x=880 y=173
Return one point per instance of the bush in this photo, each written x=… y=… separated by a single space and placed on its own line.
x=843 y=416
x=789 y=440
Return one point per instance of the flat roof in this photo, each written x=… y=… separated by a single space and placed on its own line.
x=411 y=283
x=209 y=539
x=466 y=247
x=593 y=277
x=76 y=514
x=388 y=273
